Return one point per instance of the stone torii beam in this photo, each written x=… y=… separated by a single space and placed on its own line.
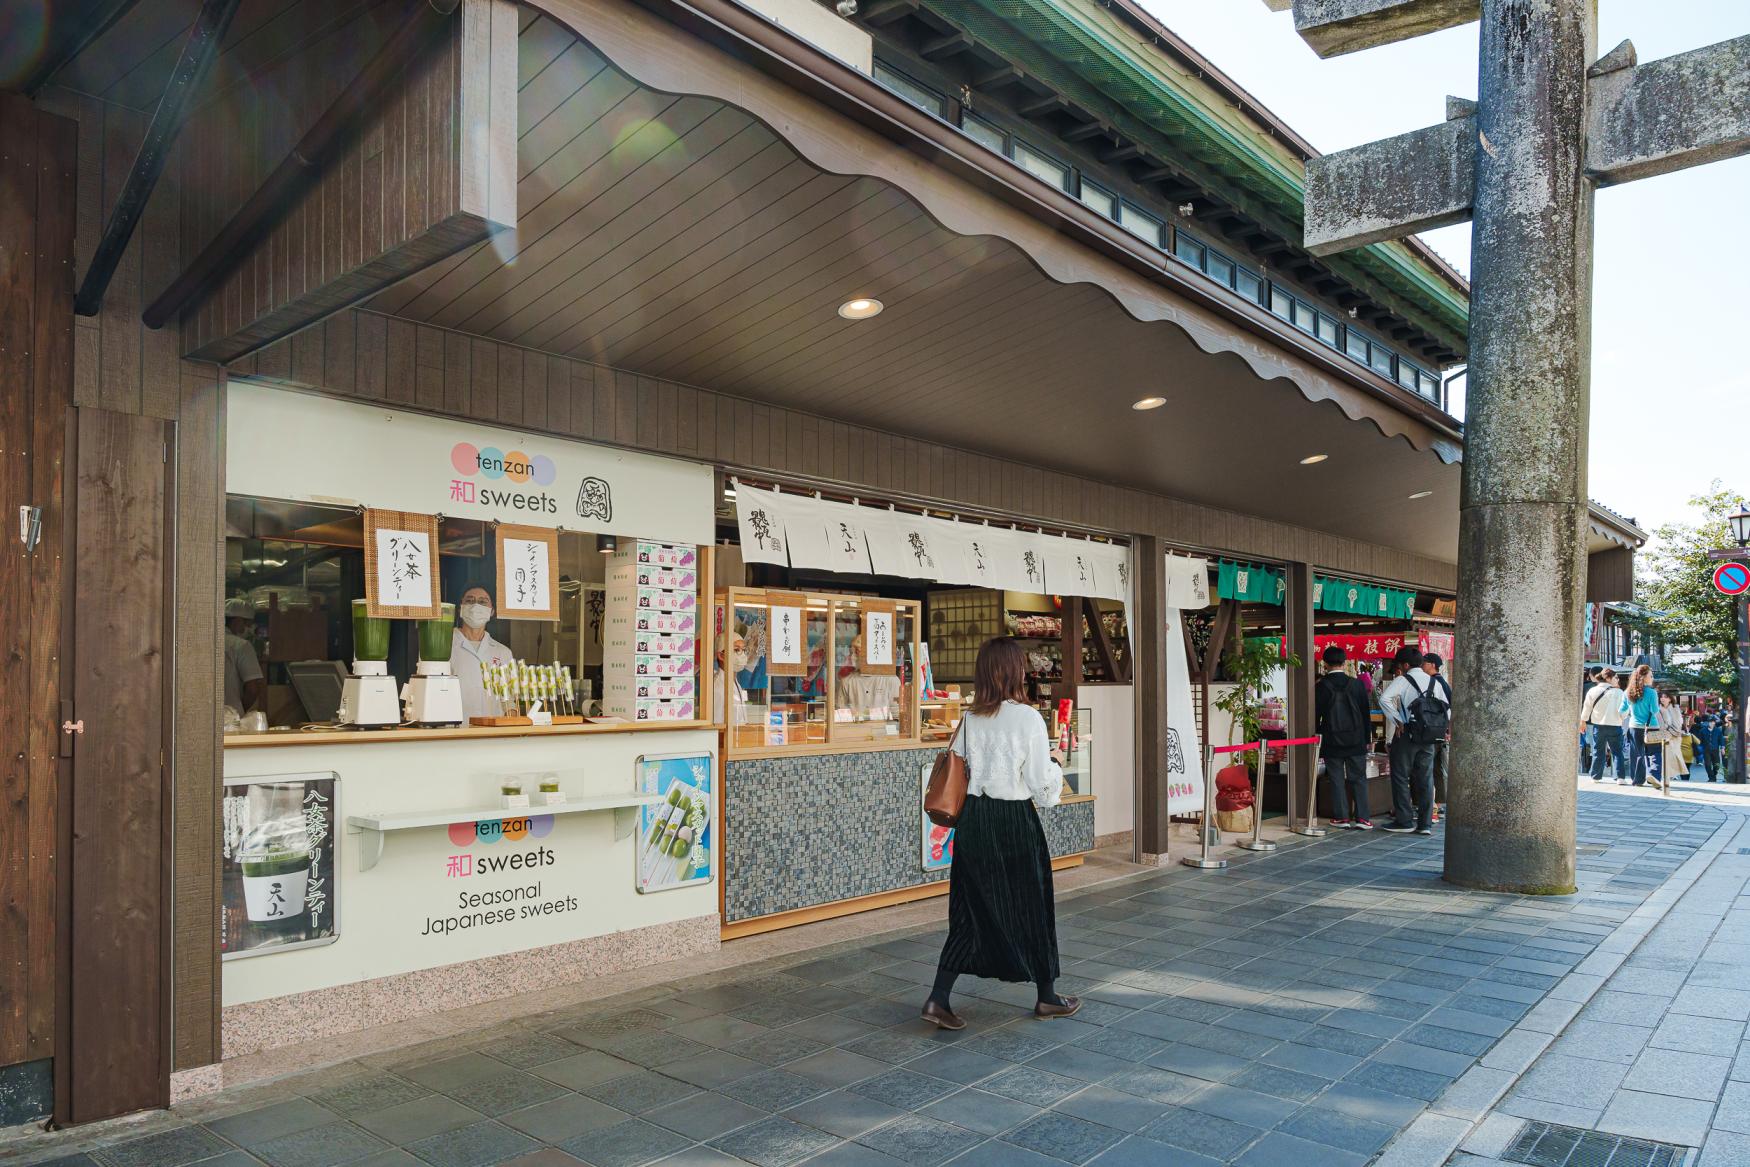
x=1551 y=123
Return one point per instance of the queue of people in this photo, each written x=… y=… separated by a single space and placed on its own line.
x=1415 y=702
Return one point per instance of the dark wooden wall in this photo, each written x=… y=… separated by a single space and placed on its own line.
x=37 y=162
x=119 y=364
x=365 y=355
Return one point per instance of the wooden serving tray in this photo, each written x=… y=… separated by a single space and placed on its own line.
x=497 y=721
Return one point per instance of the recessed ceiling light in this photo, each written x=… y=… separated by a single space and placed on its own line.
x=1313 y=459
x=861 y=308
x=1150 y=403
x=1422 y=494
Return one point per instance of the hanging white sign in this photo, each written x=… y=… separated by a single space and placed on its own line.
x=404 y=568
x=844 y=525
x=759 y=515
x=528 y=577
x=1187 y=583
x=1184 y=752
x=986 y=548
x=907 y=548
x=1111 y=571
x=878 y=643
x=805 y=527
x=304 y=448
x=953 y=549
x=786 y=636
x=1069 y=567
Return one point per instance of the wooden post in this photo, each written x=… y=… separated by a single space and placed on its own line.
x=1303 y=763
x=1148 y=638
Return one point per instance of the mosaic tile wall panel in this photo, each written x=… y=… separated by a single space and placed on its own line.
x=812 y=830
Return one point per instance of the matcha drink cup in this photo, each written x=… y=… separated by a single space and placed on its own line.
x=275 y=860
x=370 y=635
x=436 y=636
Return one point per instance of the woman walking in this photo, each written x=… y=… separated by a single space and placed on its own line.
x=1643 y=715
x=1002 y=923
x=1672 y=733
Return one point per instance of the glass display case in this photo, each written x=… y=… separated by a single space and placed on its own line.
x=803 y=670
x=1078 y=757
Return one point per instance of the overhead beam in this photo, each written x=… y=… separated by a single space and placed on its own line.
x=1335 y=27
x=951 y=45
x=1643 y=120
x=998 y=77
x=70 y=32
x=1085 y=131
x=1669 y=114
x=888 y=11
x=1038 y=108
x=198 y=53
x=417 y=32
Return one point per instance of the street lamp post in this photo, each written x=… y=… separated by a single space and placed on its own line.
x=1739 y=521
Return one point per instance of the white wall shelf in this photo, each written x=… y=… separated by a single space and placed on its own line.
x=376 y=827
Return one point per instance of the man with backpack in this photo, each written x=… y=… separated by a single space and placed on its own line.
x=1420 y=703
x=1344 y=727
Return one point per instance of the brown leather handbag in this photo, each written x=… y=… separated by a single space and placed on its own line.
x=945 y=797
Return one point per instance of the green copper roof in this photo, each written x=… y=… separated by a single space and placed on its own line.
x=1144 y=104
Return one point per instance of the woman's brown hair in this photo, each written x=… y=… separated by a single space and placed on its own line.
x=999 y=675
x=1638 y=681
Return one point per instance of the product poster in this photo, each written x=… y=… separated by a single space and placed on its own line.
x=526 y=557
x=401 y=571
x=277 y=864
x=1184 y=751
x=938 y=846
x=674 y=841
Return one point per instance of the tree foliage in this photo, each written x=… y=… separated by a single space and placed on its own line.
x=1675 y=578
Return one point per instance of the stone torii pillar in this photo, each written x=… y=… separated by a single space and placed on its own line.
x=1550 y=123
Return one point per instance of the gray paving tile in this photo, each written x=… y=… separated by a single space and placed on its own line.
x=1243 y=1106
x=1137 y=1151
x=1064 y=1136
x=531 y=1049
x=625 y=1144
x=1698 y=1035
x=1333 y=1128
x=563 y=1118
x=1199 y=1063
x=774 y=1142
x=322 y=1146
x=921 y=1141
x=636 y=1093
x=479 y=1145
x=834 y=1067
x=1658 y=1117
x=1113 y=1108
x=851 y=1155
x=447 y=1073
x=1207 y=1134
x=170 y=1148
x=1282 y=1150
x=409 y=1121
x=270 y=1122
x=505 y=1092
x=1683 y=1075
x=372 y=1092
x=980 y=1111
x=704 y=1116
x=583 y=1070
x=773 y=1090
x=1025 y=1084
x=1281 y=1083
x=843 y=1113
x=905 y=1089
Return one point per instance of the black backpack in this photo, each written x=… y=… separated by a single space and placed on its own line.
x=1430 y=717
x=1343 y=725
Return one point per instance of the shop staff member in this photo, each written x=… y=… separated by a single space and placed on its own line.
x=471 y=646
x=243 y=681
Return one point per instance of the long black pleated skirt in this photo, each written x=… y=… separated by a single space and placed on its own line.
x=1002 y=923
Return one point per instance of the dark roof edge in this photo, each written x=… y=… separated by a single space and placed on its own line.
x=1176 y=46
x=1620 y=524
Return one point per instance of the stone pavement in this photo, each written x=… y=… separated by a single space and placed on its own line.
x=1301 y=1008
x=1647 y=1047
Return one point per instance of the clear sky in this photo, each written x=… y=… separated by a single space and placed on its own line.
x=1671 y=279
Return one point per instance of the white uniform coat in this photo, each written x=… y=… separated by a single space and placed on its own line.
x=466 y=657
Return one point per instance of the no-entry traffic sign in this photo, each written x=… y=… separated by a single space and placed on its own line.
x=1732 y=578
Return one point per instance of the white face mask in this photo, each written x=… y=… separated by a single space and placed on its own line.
x=476 y=615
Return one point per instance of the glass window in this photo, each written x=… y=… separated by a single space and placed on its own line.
x=1188 y=249
x=764 y=709
x=1304 y=316
x=1326 y=330
x=1281 y=303
x=1220 y=268
x=1407 y=375
x=1355 y=345
x=871 y=703
x=1248 y=284
x=1380 y=358
x=1099 y=200
x=984 y=133
x=921 y=96
x=1429 y=385
x=1142 y=225
x=1038 y=165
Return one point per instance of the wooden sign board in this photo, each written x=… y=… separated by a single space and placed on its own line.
x=880 y=655
x=786 y=634
x=528 y=581
x=401 y=565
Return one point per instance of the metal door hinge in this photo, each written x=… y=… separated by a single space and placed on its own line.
x=73 y=726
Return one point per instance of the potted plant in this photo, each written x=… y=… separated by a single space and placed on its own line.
x=1248 y=664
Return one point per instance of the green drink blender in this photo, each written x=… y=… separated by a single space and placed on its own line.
x=368 y=697
x=433 y=695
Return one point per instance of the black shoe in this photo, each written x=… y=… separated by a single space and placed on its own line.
x=1424 y=831
x=1397 y=828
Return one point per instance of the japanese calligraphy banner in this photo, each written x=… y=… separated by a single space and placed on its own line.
x=845 y=525
x=909 y=546
x=880 y=625
x=526 y=559
x=786 y=653
x=1069 y=567
x=760 y=516
x=284 y=444
x=990 y=554
x=952 y=543
x=401 y=571
x=276 y=864
x=1187 y=583
x=1111 y=570
x=1185 y=775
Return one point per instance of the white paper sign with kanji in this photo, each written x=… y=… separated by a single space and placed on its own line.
x=528 y=580
x=878 y=640
x=787 y=636
x=403 y=568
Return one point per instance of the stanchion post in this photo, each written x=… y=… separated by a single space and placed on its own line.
x=1310 y=824
x=1202 y=859
x=1256 y=842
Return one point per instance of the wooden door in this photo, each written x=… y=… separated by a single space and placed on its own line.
x=117 y=1040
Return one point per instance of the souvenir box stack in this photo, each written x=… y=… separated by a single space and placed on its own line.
x=650 y=642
